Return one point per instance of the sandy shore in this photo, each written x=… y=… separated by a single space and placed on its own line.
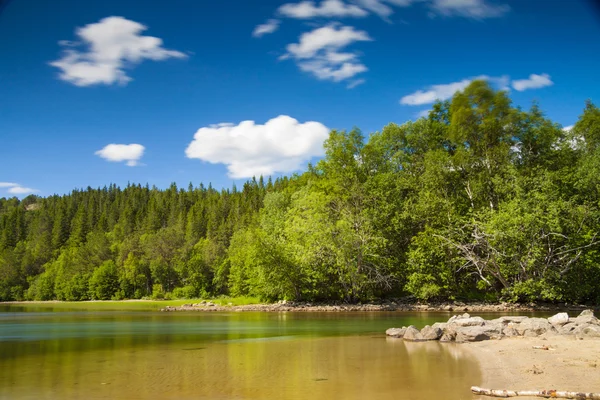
x=513 y=363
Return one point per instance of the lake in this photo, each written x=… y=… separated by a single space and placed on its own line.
x=152 y=355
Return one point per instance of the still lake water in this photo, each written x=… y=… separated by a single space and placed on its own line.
x=238 y=355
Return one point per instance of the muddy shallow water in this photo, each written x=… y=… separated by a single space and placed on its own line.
x=150 y=355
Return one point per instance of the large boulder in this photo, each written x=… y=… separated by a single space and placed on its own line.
x=567 y=329
x=586 y=319
x=559 y=319
x=587 y=331
x=477 y=333
x=412 y=334
x=533 y=327
x=431 y=332
x=396 y=332
x=469 y=321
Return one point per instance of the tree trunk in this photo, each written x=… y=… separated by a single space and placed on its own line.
x=534 y=393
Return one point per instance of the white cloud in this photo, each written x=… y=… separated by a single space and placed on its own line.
x=423 y=113
x=327 y=8
x=268 y=27
x=447 y=90
x=568 y=128
x=130 y=153
x=435 y=92
x=248 y=149
x=15 y=188
x=21 y=190
x=113 y=44
x=533 y=82
x=474 y=9
x=355 y=83
x=328 y=37
x=319 y=52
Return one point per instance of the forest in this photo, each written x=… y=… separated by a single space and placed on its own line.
x=479 y=201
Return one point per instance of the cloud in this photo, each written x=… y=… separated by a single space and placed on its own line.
x=447 y=90
x=327 y=9
x=319 y=52
x=268 y=27
x=423 y=113
x=355 y=83
x=15 y=188
x=248 y=149
x=474 y=9
x=130 y=153
x=568 y=128
x=534 y=82
x=112 y=44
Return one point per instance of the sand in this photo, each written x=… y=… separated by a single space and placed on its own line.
x=512 y=363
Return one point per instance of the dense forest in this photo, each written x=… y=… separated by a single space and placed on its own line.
x=481 y=200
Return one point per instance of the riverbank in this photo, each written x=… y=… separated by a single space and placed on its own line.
x=387 y=306
x=522 y=363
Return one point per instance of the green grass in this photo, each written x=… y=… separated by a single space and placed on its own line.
x=127 y=305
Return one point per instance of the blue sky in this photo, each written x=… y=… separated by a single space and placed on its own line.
x=93 y=93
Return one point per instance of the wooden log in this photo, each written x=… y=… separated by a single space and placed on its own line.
x=555 y=394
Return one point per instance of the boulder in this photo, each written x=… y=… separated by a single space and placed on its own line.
x=510 y=331
x=586 y=313
x=587 y=331
x=512 y=319
x=477 y=333
x=559 y=319
x=470 y=321
x=448 y=336
x=586 y=319
x=567 y=329
x=396 y=332
x=533 y=327
x=431 y=332
x=412 y=334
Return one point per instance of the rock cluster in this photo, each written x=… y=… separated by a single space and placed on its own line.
x=464 y=328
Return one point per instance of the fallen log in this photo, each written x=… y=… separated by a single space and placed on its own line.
x=555 y=394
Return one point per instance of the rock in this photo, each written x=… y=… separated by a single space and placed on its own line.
x=586 y=313
x=586 y=319
x=448 y=336
x=431 y=332
x=567 y=329
x=533 y=327
x=396 y=332
x=441 y=325
x=559 y=319
x=510 y=331
x=470 y=321
x=512 y=319
x=412 y=334
x=477 y=333
x=587 y=331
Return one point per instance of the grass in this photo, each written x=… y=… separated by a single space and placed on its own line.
x=127 y=305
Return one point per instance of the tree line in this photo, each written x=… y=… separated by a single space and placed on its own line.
x=481 y=200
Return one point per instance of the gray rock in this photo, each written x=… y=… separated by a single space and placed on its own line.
x=559 y=319
x=510 y=331
x=533 y=327
x=449 y=336
x=476 y=333
x=586 y=319
x=587 y=331
x=396 y=332
x=412 y=334
x=471 y=321
x=586 y=313
x=431 y=332
x=512 y=319
x=567 y=329
x=441 y=325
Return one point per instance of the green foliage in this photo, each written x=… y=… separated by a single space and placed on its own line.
x=480 y=200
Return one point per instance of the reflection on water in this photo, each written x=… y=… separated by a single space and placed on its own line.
x=224 y=356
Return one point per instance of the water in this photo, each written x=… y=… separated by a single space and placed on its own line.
x=152 y=355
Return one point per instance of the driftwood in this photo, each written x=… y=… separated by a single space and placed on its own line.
x=544 y=347
x=534 y=393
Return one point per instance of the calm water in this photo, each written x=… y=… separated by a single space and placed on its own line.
x=152 y=355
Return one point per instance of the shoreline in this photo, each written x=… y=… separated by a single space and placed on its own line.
x=285 y=306
x=370 y=307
